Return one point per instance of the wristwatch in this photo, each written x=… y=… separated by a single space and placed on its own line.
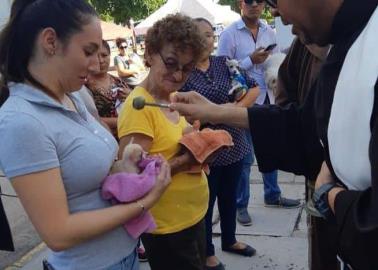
x=320 y=199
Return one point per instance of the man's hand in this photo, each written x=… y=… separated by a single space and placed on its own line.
x=193 y=106
x=259 y=56
x=325 y=177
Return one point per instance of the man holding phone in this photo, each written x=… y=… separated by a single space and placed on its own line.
x=250 y=40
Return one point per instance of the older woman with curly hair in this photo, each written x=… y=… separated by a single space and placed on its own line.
x=173 y=47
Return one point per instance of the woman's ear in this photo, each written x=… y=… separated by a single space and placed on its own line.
x=49 y=41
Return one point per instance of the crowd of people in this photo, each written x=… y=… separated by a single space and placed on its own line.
x=65 y=121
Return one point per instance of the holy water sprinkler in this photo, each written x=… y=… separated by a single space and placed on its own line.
x=139 y=103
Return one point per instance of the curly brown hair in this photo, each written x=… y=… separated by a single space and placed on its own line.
x=177 y=29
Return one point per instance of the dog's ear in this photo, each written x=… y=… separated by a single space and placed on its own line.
x=235 y=62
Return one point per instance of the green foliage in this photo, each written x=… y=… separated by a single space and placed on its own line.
x=122 y=10
x=267 y=15
x=235 y=7
x=233 y=3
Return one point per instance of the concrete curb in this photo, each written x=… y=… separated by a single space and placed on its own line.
x=27 y=257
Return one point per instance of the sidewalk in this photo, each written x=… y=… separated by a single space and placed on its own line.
x=279 y=235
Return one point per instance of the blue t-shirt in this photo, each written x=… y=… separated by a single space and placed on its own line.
x=214 y=84
x=38 y=134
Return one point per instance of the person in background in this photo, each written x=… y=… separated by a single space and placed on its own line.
x=108 y=92
x=211 y=78
x=87 y=98
x=246 y=40
x=53 y=151
x=173 y=47
x=130 y=68
x=121 y=61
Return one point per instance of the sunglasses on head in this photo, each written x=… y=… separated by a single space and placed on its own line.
x=250 y=2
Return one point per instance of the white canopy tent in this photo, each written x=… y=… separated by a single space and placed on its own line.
x=111 y=31
x=216 y=14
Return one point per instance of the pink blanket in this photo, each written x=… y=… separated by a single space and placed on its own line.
x=128 y=187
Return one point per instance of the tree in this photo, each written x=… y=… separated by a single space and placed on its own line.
x=235 y=7
x=122 y=10
x=233 y=3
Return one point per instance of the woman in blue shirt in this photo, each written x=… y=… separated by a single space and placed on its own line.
x=54 y=152
x=211 y=78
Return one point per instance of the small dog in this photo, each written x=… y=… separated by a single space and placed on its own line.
x=239 y=84
x=131 y=156
x=130 y=179
x=271 y=67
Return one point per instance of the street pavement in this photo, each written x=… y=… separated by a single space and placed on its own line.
x=279 y=235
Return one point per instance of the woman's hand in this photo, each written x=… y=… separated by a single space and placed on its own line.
x=162 y=182
x=164 y=178
x=250 y=97
x=183 y=162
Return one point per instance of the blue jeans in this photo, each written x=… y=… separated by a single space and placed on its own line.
x=131 y=262
x=271 y=189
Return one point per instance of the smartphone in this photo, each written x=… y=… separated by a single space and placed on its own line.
x=270 y=47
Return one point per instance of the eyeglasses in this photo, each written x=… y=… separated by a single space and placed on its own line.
x=272 y=3
x=173 y=67
x=250 y=2
x=123 y=47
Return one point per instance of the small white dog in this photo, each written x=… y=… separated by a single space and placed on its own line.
x=239 y=85
x=271 y=67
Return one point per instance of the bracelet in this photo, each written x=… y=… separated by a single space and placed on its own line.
x=141 y=206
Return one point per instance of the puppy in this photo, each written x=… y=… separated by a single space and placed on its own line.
x=238 y=82
x=131 y=156
x=271 y=67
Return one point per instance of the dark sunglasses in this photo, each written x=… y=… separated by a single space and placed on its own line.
x=272 y=3
x=123 y=47
x=250 y=2
x=173 y=67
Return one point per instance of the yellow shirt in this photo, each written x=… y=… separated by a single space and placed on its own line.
x=185 y=201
